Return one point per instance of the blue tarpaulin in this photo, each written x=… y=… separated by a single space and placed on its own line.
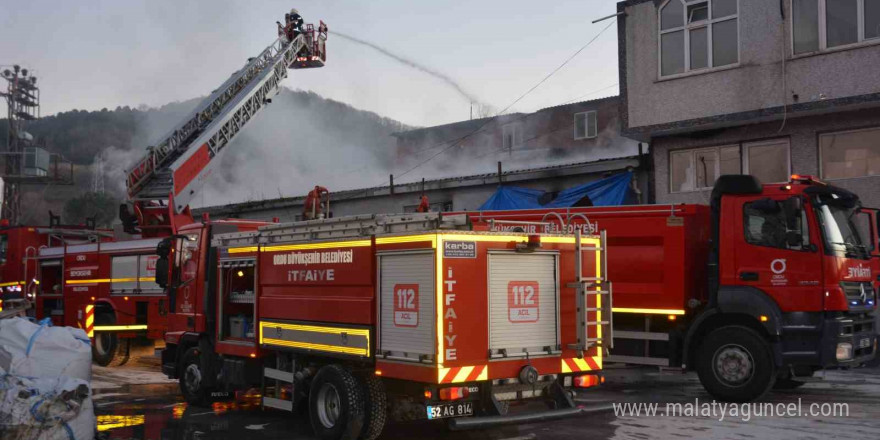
x=513 y=197
x=609 y=191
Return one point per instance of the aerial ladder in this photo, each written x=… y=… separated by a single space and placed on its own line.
x=162 y=184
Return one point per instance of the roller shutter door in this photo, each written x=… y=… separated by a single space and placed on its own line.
x=406 y=289
x=147 y=274
x=523 y=296
x=124 y=274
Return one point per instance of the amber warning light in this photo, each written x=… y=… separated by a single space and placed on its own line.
x=534 y=242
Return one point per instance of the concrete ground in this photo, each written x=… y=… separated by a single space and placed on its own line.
x=137 y=402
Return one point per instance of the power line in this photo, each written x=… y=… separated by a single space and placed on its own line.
x=583 y=96
x=480 y=128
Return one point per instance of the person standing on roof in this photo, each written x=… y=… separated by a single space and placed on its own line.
x=424 y=206
x=312 y=206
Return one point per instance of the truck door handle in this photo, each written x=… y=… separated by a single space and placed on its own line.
x=748 y=276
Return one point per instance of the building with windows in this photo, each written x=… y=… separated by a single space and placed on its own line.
x=564 y=130
x=767 y=88
x=551 y=150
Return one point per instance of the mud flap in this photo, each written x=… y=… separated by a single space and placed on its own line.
x=559 y=396
x=491 y=405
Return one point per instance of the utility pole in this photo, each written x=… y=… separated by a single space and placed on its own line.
x=23 y=104
x=23 y=160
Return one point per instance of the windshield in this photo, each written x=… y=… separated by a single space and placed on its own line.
x=842 y=237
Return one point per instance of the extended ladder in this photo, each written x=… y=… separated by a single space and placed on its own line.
x=598 y=288
x=177 y=164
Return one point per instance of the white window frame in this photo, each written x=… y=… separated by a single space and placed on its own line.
x=693 y=153
x=686 y=28
x=822 y=159
x=744 y=154
x=517 y=141
x=587 y=114
x=823 y=30
x=743 y=157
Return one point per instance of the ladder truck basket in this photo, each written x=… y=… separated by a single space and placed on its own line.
x=175 y=166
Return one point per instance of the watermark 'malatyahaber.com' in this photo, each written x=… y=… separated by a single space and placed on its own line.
x=726 y=410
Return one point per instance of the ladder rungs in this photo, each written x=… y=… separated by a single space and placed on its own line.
x=592 y=248
x=581 y=285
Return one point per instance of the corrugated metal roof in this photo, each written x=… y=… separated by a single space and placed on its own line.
x=369 y=190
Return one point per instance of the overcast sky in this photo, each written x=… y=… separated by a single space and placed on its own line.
x=90 y=54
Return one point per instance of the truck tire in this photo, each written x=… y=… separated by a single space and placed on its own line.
x=375 y=407
x=192 y=384
x=735 y=364
x=108 y=350
x=336 y=404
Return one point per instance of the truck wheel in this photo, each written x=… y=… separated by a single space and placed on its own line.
x=336 y=404
x=375 y=407
x=735 y=364
x=107 y=349
x=192 y=378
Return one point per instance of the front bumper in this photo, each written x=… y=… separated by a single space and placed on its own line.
x=858 y=331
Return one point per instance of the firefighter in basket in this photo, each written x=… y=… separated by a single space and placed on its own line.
x=293 y=23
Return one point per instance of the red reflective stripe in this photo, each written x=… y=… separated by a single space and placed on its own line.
x=593 y=365
x=450 y=375
x=571 y=364
x=478 y=370
x=190 y=169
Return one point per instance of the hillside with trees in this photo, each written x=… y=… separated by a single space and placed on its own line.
x=295 y=119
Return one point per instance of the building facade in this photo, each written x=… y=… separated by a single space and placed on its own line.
x=762 y=87
x=586 y=130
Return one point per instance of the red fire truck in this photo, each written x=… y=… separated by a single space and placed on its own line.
x=343 y=314
x=109 y=289
x=19 y=246
x=763 y=287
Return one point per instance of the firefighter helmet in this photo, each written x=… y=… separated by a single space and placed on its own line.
x=294 y=12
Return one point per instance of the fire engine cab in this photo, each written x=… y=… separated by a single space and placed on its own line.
x=343 y=315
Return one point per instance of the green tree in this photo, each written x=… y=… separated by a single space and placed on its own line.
x=102 y=206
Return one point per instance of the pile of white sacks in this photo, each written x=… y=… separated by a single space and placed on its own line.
x=45 y=373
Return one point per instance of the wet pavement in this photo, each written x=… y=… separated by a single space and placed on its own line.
x=137 y=402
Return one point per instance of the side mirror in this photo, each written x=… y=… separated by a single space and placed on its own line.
x=793 y=206
x=792 y=239
x=162 y=272
x=163 y=250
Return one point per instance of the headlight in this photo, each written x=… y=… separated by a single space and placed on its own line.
x=844 y=351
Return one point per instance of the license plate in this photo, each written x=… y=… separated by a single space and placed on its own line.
x=450 y=410
x=864 y=342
